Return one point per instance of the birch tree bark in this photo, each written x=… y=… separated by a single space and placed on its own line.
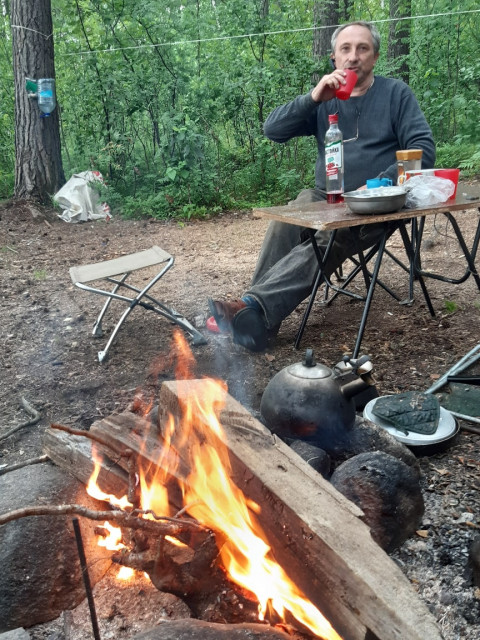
x=38 y=161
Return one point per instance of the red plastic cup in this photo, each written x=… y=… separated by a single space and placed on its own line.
x=344 y=91
x=449 y=174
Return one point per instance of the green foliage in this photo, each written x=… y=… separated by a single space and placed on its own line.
x=466 y=156
x=168 y=101
x=7 y=127
x=450 y=306
x=6 y=183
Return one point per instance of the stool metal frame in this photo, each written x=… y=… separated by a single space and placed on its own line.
x=116 y=272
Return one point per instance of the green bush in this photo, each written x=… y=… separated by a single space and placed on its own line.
x=464 y=156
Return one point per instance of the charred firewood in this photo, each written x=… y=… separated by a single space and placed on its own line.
x=176 y=569
x=189 y=567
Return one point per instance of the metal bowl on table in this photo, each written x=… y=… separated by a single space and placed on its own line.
x=378 y=200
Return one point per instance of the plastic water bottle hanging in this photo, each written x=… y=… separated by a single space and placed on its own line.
x=46 y=96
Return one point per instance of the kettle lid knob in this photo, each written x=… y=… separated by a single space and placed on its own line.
x=309 y=360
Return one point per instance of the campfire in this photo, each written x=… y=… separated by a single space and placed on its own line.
x=215 y=539
x=215 y=509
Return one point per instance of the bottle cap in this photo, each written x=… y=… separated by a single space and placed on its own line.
x=333 y=118
x=409 y=154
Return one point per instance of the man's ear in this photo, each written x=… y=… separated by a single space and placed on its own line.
x=332 y=62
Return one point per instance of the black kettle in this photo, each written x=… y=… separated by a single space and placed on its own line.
x=309 y=401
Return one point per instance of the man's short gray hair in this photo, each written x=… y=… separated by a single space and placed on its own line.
x=360 y=23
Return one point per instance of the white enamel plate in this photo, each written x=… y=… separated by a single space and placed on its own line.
x=446 y=427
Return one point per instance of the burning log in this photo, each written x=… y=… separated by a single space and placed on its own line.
x=192 y=571
x=71 y=450
x=179 y=569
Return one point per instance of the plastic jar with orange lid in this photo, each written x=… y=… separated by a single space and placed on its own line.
x=408 y=160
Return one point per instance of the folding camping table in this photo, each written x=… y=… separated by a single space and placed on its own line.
x=116 y=272
x=322 y=216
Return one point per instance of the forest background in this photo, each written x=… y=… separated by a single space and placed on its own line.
x=167 y=98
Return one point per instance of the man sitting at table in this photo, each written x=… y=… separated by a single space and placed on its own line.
x=381 y=117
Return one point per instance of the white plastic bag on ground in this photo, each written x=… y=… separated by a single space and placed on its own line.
x=79 y=201
x=423 y=191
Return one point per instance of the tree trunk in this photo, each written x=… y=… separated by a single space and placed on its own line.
x=38 y=161
x=326 y=17
x=399 y=36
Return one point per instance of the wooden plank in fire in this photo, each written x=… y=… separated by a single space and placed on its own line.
x=317 y=535
x=73 y=454
x=128 y=430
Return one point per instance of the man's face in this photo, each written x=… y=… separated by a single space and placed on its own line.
x=354 y=50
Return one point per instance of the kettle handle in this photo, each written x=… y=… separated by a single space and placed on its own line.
x=309 y=358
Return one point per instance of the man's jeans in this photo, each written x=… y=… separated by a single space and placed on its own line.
x=287 y=265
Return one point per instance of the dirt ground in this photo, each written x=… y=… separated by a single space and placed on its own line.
x=49 y=358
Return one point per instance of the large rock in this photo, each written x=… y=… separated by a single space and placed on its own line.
x=40 y=571
x=16 y=634
x=317 y=458
x=198 y=630
x=388 y=492
x=367 y=436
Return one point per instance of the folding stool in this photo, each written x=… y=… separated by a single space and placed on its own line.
x=117 y=271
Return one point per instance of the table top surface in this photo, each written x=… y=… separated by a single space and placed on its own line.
x=323 y=216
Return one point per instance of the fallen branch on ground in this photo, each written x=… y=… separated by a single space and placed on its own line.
x=29 y=409
x=20 y=465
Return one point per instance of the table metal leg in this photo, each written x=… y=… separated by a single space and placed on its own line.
x=322 y=259
x=470 y=254
x=361 y=265
x=415 y=274
x=371 y=289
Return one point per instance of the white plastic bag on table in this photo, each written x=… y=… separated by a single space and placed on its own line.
x=423 y=191
x=80 y=202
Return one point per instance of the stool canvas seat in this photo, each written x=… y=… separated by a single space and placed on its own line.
x=116 y=272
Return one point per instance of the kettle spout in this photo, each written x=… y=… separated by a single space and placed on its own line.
x=363 y=367
x=350 y=389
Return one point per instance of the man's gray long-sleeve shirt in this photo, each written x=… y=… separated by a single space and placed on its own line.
x=387 y=118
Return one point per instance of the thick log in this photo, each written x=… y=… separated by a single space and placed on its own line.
x=138 y=434
x=317 y=535
x=129 y=431
x=74 y=454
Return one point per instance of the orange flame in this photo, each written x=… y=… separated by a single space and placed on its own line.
x=214 y=500
x=112 y=542
x=94 y=490
x=125 y=573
